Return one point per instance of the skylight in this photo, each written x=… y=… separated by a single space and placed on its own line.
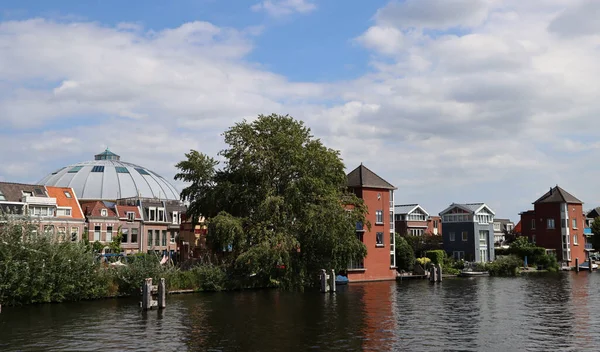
x=121 y=170
x=98 y=169
x=142 y=171
x=57 y=171
x=75 y=169
x=2 y=196
x=67 y=194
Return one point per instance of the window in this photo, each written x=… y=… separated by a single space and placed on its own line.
x=142 y=171
x=74 y=234
x=360 y=236
x=134 y=235
x=496 y=226
x=161 y=215
x=173 y=234
x=49 y=229
x=103 y=212
x=130 y=216
x=356 y=264
x=391 y=199
x=157 y=237
x=2 y=197
x=574 y=223
x=416 y=217
x=452 y=236
x=174 y=218
x=39 y=192
x=435 y=224
x=379 y=217
x=124 y=235
x=164 y=237
x=416 y=232
x=550 y=223
x=391 y=220
x=533 y=224
x=98 y=169
x=75 y=169
x=109 y=230
x=121 y=170
x=483 y=236
x=392 y=260
x=96 y=233
x=62 y=231
x=458 y=255
x=533 y=239
x=575 y=240
x=63 y=212
x=465 y=235
x=68 y=194
x=149 y=238
x=379 y=239
x=152 y=214
x=483 y=255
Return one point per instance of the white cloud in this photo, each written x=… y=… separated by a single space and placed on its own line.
x=279 y=8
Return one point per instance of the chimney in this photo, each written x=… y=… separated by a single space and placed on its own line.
x=550 y=190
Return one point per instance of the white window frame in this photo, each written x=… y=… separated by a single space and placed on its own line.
x=130 y=216
x=452 y=236
x=99 y=233
x=550 y=223
x=109 y=233
x=379 y=217
x=575 y=242
x=160 y=215
x=377 y=242
x=175 y=218
x=74 y=231
x=103 y=212
x=152 y=215
x=463 y=237
x=574 y=221
x=172 y=237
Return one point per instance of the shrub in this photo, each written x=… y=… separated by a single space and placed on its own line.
x=209 y=277
x=129 y=278
x=548 y=262
x=423 y=261
x=502 y=251
x=505 y=266
x=405 y=255
x=436 y=256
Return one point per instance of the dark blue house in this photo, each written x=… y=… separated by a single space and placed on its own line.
x=468 y=231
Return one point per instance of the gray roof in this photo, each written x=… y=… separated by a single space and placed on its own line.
x=558 y=195
x=13 y=192
x=404 y=209
x=365 y=178
x=109 y=178
x=471 y=207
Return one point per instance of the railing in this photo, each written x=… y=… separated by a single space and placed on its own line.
x=39 y=200
x=587 y=231
x=589 y=246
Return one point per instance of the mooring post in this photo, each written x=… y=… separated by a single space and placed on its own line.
x=432 y=277
x=576 y=265
x=162 y=294
x=323 y=280
x=332 y=281
x=590 y=263
x=147 y=294
x=439 y=272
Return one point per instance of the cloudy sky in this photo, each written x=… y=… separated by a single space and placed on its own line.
x=450 y=100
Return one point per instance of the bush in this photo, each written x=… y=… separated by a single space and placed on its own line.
x=209 y=277
x=548 y=262
x=505 y=266
x=423 y=261
x=450 y=271
x=129 y=278
x=502 y=251
x=436 y=256
x=405 y=256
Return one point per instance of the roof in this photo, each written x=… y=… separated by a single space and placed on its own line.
x=503 y=221
x=469 y=207
x=62 y=200
x=13 y=192
x=517 y=228
x=365 y=178
x=93 y=209
x=109 y=178
x=403 y=209
x=558 y=195
x=122 y=211
x=594 y=213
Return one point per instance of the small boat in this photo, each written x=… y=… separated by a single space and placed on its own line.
x=471 y=273
x=341 y=280
x=586 y=266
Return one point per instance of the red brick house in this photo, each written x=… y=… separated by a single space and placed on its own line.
x=414 y=220
x=378 y=195
x=557 y=224
x=130 y=223
x=102 y=219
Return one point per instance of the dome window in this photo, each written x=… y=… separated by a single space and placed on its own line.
x=75 y=169
x=107 y=155
x=98 y=169
x=142 y=171
x=121 y=170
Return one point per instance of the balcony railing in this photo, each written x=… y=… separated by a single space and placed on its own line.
x=589 y=246
x=39 y=200
x=587 y=231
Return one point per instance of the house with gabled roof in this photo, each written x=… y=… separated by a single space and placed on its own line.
x=414 y=220
x=557 y=223
x=68 y=222
x=469 y=231
x=102 y=220
x=378 y=196
x=130 y=224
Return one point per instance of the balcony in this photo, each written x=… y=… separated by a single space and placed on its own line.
x=39 y=200
x=587 y=231
x=588 y=247
x=360 y=227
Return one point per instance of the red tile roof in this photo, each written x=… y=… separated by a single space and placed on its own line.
x=62 y=200
x=93 y=209
x=122 y=210
x=517 y=228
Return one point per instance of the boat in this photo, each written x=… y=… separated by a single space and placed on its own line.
x=471 y=273
x=586 y=266
x=341 y=280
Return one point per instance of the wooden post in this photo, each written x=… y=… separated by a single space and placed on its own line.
x=147 y=294
x=332 y=282
x=439 y=272
x=577 y=265
x=323 y=280
x=162 y=294
x=432 y=276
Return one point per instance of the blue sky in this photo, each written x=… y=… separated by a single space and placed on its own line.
x=466 y=101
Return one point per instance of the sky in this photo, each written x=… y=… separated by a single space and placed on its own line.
x=459 y=101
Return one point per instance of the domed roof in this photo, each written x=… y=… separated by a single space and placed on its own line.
x=109 y=178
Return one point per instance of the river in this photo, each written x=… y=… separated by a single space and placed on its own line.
x=536 y=312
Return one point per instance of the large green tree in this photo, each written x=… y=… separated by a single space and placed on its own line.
x=278 y=200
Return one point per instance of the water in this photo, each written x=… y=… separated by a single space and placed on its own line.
x=539 y=312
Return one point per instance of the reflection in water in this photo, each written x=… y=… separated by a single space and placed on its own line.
x=530 y=313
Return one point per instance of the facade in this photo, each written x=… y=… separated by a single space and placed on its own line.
x=102 y=221
x=130 y=224
x=501 y=228
x=191 y=242
x=378 y=196
x=108 y=178
x=557 y=224
x=469 y=231
x=414 y=220
x=53 y=210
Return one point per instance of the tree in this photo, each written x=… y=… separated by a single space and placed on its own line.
x=115 y=243
x=405 y=256
x=596 y=234
x=278 y=203
x=422 y=244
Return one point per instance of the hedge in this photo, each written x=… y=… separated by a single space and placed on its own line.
x=436 y=256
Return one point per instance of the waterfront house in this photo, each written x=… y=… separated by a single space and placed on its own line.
x=68 y=222
x=414 y=220
x=557 y=224
x=468 y=231
x=378 y=196
x=501 y=228
x=130 y=224
x=102 y=221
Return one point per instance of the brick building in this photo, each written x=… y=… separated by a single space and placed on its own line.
x=557 y=223
x=378 y=196
x=414 y=220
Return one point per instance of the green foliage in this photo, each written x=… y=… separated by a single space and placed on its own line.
x=548 y=262
x=115 y=243
x=450 y=271
x=405 y=256
x=595 y=238
x=422 y=244
x=505 y=266
x=502 y=251
x=199 y=278
x=278 y=200
x=423 y=261
x=436 y=256
x=522 y=248
x=138 y=268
